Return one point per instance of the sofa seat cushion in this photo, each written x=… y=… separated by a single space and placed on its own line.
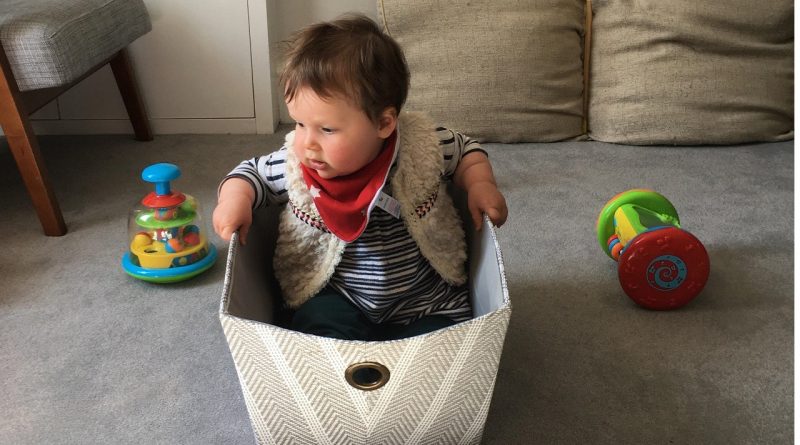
x=50 y=43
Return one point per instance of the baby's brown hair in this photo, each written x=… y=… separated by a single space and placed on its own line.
x=349 y=56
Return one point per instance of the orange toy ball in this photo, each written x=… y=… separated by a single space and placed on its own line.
x=174 y=245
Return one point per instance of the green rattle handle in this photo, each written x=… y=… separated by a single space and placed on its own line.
x=633 y=212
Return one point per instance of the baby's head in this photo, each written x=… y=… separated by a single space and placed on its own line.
x=350 y=57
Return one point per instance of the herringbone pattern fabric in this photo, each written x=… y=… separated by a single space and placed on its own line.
x=439 y=390
x=440 y=384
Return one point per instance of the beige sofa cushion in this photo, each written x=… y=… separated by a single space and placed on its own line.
x=691 y=71
x=499 y=71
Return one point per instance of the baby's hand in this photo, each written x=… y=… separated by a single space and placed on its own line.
x=234 y=210
x=483 y=197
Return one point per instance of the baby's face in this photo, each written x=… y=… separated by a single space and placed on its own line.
x=332 y=136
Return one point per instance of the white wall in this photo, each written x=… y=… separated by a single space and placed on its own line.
x=207 y=67
x=293 y=15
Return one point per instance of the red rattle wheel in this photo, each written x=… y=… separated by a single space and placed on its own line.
x=664 y=268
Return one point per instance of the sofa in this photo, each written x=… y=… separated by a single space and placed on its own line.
x=638 y=72
x=576 y=101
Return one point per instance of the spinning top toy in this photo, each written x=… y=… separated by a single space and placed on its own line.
x=661 y=266
x=166 y=236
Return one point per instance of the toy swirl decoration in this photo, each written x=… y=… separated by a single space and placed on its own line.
x=666 y=272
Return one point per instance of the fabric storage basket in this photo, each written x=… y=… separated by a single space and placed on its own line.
x=305 y=389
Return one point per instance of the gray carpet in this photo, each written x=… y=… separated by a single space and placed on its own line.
x=90 y=355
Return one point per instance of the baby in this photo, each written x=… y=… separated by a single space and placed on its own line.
x=370 y=246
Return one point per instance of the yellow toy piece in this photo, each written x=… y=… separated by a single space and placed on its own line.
x=155 y=255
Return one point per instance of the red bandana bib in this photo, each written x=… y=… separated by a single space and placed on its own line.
x=345 y=202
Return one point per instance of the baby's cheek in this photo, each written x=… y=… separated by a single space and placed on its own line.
x=338 y=159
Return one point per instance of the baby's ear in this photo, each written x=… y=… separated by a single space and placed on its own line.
x=387 y=122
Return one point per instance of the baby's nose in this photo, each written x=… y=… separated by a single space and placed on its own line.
x=310 y=141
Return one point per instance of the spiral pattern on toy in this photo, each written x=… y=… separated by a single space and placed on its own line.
x=666 y=272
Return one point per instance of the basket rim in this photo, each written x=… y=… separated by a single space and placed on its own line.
x=503 y=311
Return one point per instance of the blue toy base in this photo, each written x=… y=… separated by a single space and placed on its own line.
x=173 y=274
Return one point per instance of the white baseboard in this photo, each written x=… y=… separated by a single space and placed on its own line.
x=159 y=126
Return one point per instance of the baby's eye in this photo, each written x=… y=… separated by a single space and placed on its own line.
x=300 y=124
x=327 y=130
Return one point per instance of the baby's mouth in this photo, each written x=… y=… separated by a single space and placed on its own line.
x=316 y=165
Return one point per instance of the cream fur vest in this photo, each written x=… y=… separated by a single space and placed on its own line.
x=307 y=253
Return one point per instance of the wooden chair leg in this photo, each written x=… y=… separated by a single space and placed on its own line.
x=25 y=149
x=129 y=89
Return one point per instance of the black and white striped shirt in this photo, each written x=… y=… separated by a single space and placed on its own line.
x=382 y=272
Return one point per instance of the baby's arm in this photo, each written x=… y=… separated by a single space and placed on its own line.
x=256 y=182
x=234 y=209
x=474 y=174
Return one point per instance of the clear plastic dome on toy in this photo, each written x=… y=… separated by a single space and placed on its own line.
x=167 y=239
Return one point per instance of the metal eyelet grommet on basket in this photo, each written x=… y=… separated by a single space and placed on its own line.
x=367 y=376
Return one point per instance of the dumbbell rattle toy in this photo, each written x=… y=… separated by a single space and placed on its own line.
x=167 y=240
x=661 y=266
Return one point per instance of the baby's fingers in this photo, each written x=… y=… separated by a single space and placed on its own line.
x=498 y=216
x=494 y=216
x=226 y=232
x=478 y=222
x=243 y=233
x=477 y=218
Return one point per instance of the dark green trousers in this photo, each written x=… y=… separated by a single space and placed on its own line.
x=329 y=314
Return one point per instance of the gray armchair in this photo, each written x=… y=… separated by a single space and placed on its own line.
x=48 y=46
